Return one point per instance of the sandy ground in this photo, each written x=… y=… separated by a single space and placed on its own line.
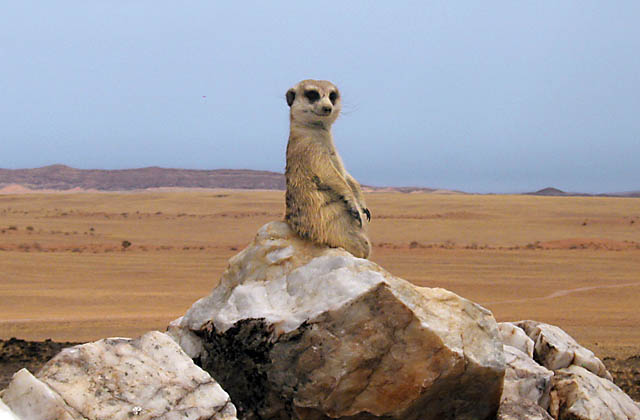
x=65 y=274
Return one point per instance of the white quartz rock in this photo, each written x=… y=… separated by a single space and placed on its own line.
x=149 y=378
x=522 y=410
x=270 y=281
x=296 y=330
x=578 y=394
x=524 y=379
x=6 y=413
x=190 y=343
x=528 y=326
x=555 y=349
x=516 y=337
x=32 y=399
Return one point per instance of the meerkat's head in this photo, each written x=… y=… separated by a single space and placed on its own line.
x=314 y=103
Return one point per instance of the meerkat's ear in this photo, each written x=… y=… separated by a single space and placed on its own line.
x=291 y=96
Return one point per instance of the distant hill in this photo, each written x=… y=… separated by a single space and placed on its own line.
x=550 y=191
x=61 y=177
x=628 y=194
x=554 y=192
x=65 y=178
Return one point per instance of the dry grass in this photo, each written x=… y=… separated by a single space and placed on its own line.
x=64 y=274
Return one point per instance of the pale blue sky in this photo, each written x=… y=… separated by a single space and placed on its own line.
x=500 y=96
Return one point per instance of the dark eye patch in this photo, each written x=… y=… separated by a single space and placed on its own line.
x=312 y=95
x=333 y=97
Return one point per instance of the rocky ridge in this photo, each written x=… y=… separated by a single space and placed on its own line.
x=61 y=177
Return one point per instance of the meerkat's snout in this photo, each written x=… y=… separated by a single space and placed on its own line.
x=324 y=104
x=325 y=110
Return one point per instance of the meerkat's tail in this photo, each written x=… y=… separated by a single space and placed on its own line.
x=335 y=230
x=358 y=245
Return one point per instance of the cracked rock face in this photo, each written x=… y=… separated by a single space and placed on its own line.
x=525 y=380
x=299 y=331
x=32 y=399
x=522 y=410
x=578 y=388
x=516 y=337
x=117 y=378
x=579 y=394
x=555 y=349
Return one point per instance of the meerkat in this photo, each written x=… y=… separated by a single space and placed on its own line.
x=324 y=203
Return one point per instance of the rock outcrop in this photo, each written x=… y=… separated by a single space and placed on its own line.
x=525 y=380
x=516 y=337
x=6 y=413
x=560 y=379
x=555 y=349
x=522 y=410
x=299 y=331
x=117 y=378
x=579 y=394
x=294 y=330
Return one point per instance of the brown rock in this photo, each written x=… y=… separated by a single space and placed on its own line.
x=299 y=331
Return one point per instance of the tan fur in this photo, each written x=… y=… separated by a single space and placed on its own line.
x=324 y=202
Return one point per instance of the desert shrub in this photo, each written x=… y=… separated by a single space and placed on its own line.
x=448 y=244
x=535 y=245
x=125 y=244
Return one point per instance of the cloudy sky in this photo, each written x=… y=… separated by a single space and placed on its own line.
x=498 y=96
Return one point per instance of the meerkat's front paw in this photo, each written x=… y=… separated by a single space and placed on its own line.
x=354 y=212
x=367 y=213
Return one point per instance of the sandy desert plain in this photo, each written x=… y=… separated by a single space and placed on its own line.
x=65 y=275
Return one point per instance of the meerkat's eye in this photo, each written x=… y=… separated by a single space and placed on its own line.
x=333 y=97
x=312 y=95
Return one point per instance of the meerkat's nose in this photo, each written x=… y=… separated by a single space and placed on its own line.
x=327 y=109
